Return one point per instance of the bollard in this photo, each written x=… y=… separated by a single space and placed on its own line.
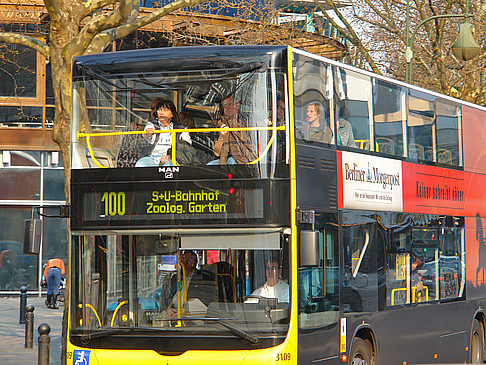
x=29 y=326
x=23 y=303
x=44 y=343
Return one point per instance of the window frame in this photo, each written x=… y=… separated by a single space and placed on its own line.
x=40 y=94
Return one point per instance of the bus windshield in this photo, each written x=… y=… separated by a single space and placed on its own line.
x=192 y=118
x=231 y=283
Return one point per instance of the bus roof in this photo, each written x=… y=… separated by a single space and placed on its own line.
x=200 y=58
x=174 y=59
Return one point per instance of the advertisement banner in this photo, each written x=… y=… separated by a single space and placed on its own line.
x=433 y=190
x=369 y=182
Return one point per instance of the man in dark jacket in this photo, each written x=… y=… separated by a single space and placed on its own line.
x=195 y=284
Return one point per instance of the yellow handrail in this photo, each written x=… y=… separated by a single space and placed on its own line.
x=414 y=291
x=362 y=142
x=393 y=292
x=189 y=130
x=174 y=131
x=80 y=305
x=179 y=309
x=116 y=310
x=418 y=293
x=90 y=149
x=272 y=138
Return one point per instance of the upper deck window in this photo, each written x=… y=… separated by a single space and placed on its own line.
x=421 y=128
x=433 y=129
x=231 y=116
x=389 y=113
x=336 y=105
x=352 y=109
x=313 y=90
x=449 y=133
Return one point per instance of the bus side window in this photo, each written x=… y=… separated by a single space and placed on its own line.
x=352 y=109
x=318 y=287
x=312 y=92
x=364 y=282
x=450 y=265
x=424 y=269
x=388 y=108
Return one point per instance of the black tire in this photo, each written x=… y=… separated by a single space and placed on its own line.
x=477 y=343
x=361 y=352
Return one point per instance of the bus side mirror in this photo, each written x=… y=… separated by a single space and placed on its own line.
x=32 y=236
x=309 y=248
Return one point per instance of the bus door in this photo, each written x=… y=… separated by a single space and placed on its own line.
x=318 y=293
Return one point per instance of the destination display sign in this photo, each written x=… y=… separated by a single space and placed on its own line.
x=142 y=204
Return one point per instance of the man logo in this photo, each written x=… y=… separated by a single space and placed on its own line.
x=169 y=171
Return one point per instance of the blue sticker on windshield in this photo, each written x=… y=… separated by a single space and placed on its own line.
x=81 y=357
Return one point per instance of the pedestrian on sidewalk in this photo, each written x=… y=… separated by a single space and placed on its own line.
x=52 y=273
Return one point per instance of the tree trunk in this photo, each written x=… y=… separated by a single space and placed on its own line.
x=60 y=35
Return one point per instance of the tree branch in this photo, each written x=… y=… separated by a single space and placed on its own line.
x=378 y=25
x=385 y=16
x=109 y=35
x=96 y=25
x=91 y=6
x=52 y=7
x=349 y=33
x=27 y=41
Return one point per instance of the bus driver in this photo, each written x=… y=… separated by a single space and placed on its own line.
x=273 y=287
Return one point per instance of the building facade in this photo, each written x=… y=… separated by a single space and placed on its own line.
x=31 y=170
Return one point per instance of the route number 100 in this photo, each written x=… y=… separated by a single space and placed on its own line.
x=114 y=203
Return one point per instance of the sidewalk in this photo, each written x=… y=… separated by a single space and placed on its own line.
x=12 y=334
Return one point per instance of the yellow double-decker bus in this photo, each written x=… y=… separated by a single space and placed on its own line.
x=260 y=204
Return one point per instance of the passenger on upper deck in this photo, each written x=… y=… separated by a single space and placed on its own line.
x=153 y=107
x=280 y=140
x=345 y=136
x=316 y=128
x=200 y=152
x=235 y=146
x=159 y=144
x=280 y=113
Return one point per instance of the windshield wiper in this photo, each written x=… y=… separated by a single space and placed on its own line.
x=114 y=331
x=107 y=332
x=239 y=332
x=243 y=334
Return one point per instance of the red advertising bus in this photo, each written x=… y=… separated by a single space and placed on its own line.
x=341 y=221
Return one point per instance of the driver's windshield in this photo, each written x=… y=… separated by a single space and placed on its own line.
x=211 y=283
x=236 y=117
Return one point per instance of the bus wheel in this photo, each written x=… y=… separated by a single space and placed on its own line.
x=477 y=343
x=360 y=352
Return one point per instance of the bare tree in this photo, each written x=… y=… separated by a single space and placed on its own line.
x=80 y=27
x=378 y=29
